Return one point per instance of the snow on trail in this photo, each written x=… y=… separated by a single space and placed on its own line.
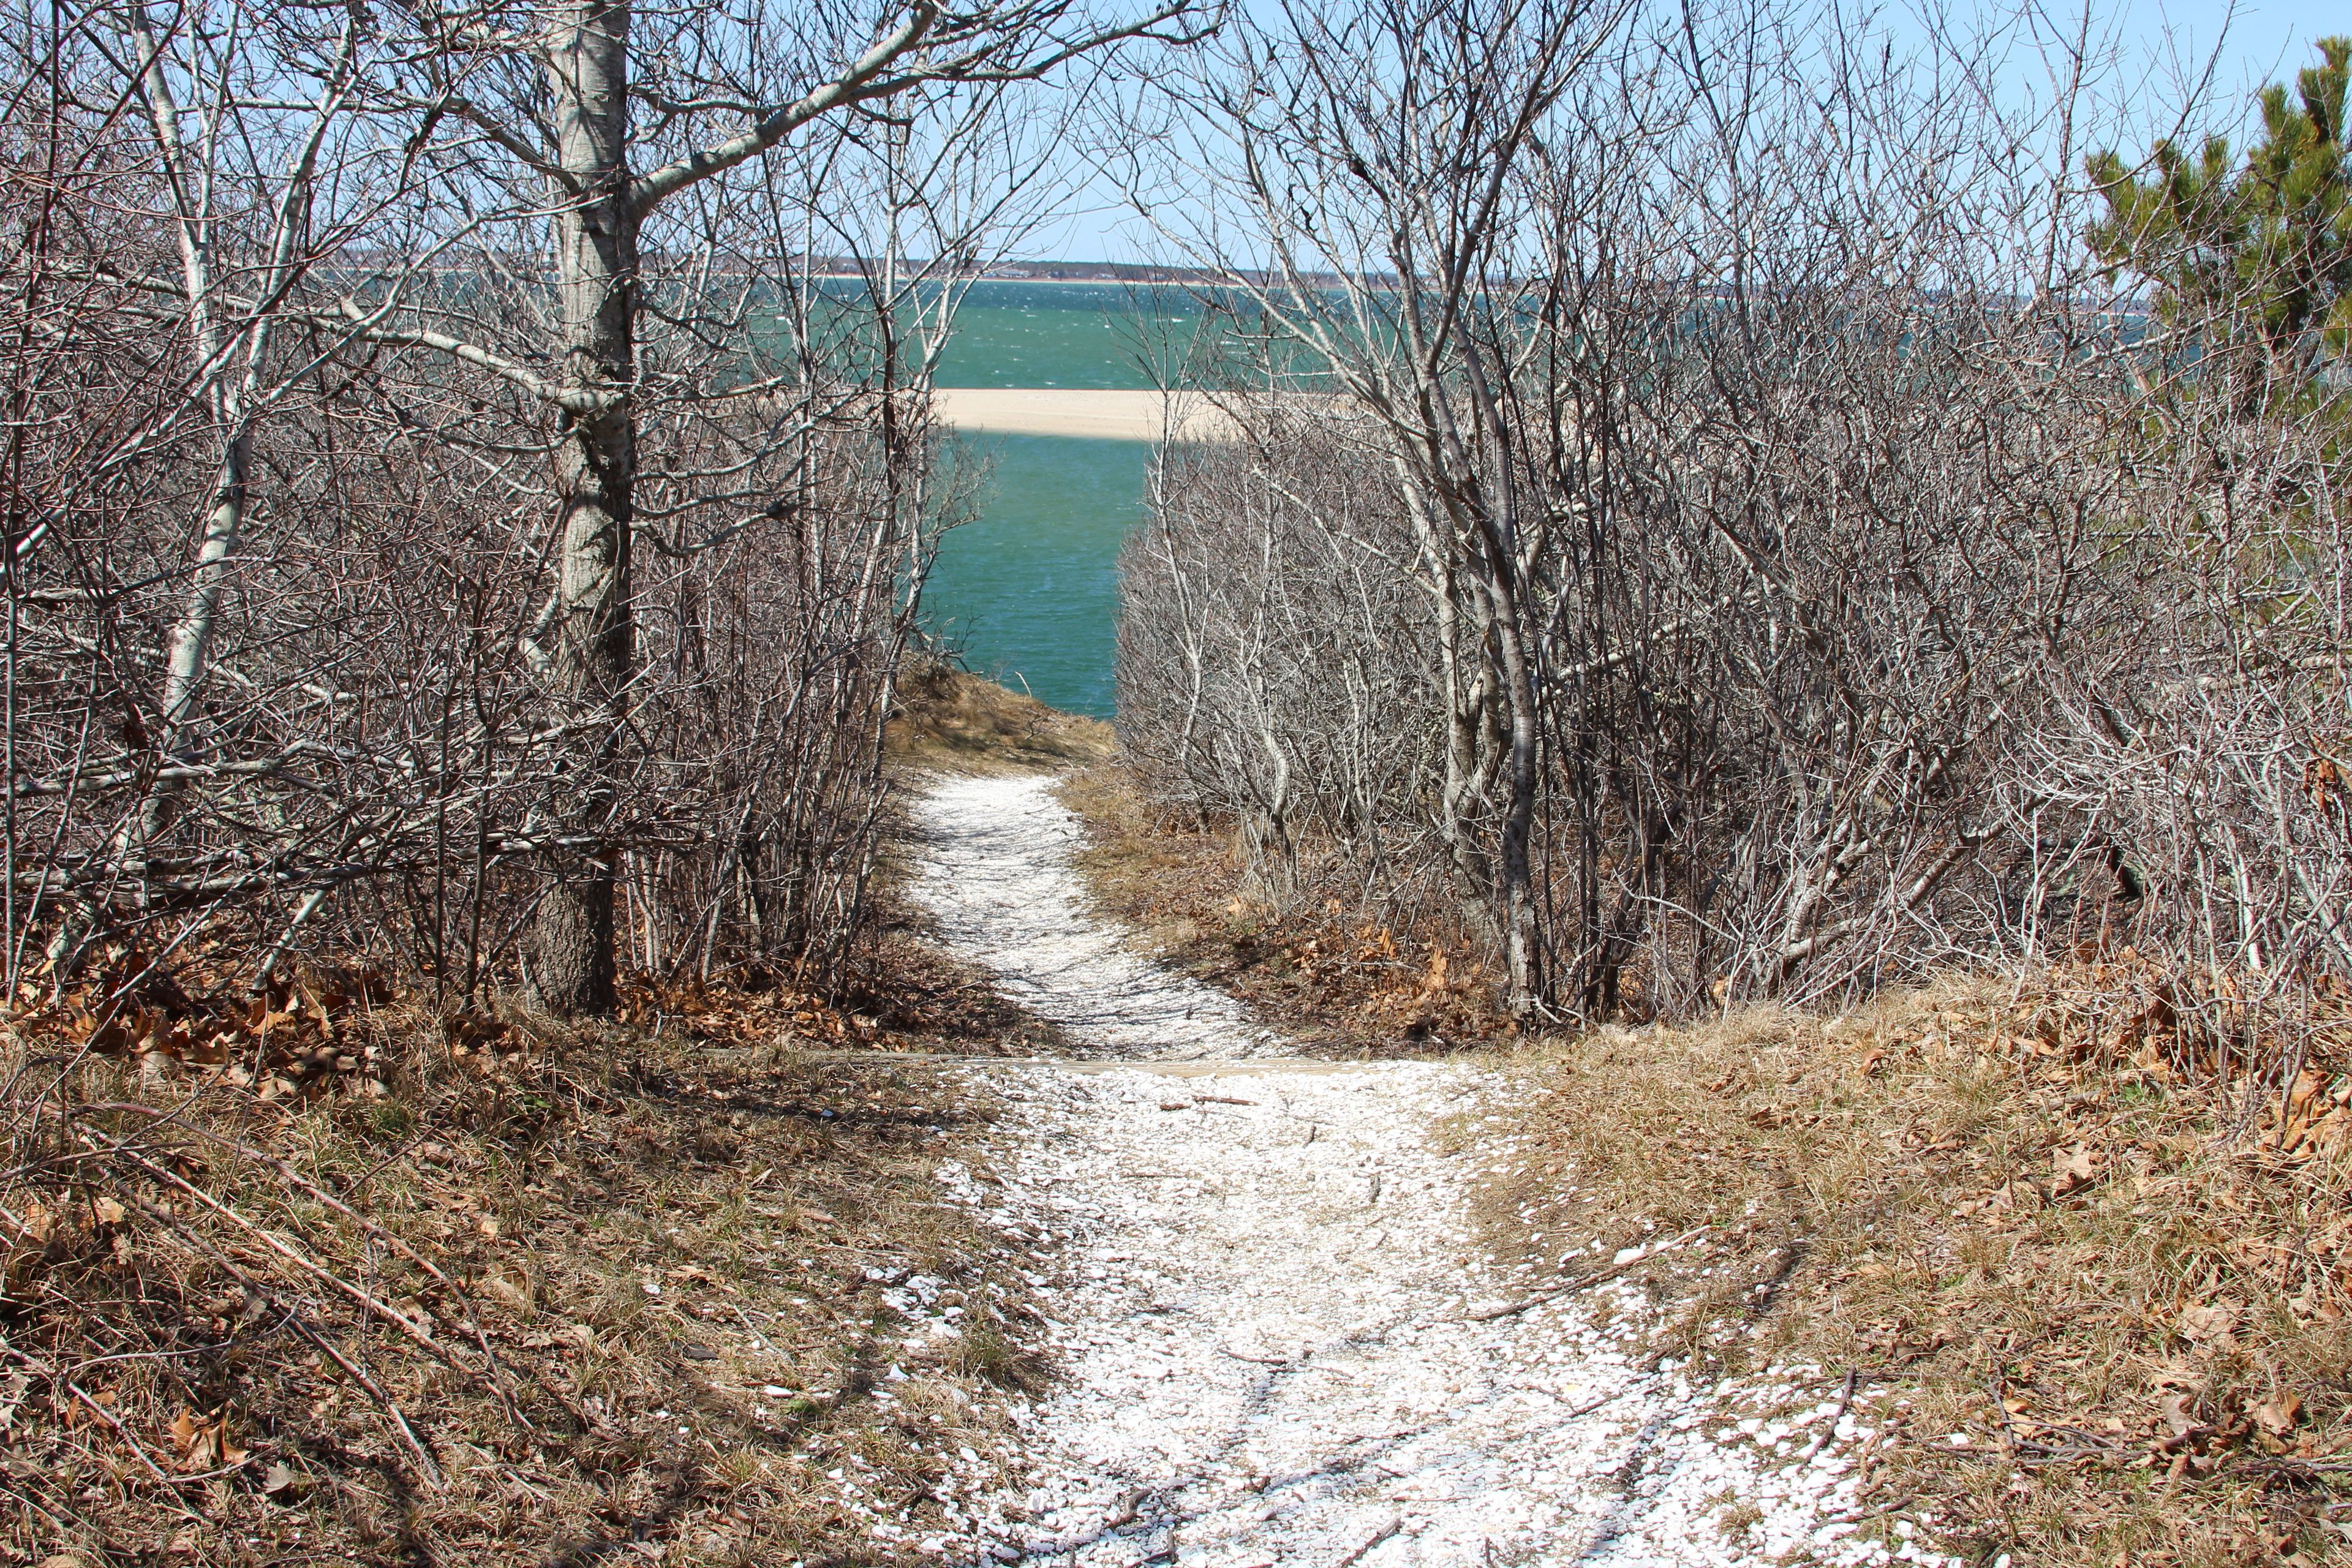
x=1267 y=1313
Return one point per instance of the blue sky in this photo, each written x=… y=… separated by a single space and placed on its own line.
x=2267 y=42
x=2258 y=41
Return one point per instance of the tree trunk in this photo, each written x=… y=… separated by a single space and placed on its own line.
x=593 y=656
x=1522 y=943
x=1462 y=797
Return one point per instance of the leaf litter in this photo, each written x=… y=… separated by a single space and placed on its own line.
x=477 y=1288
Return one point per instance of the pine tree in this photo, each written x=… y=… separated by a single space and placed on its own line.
x=2253 y=258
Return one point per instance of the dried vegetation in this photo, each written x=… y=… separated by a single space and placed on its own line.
x=952 y=720
x=336 y=1274
x=2108 y=1272
x=1338 y=977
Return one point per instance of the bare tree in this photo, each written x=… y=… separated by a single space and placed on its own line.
x=465 y=316
x=1379 y=152
x=1746 y=397
x=614 y=131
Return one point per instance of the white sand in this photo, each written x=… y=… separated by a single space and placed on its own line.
x=1116 y=415
x=1264 y=1296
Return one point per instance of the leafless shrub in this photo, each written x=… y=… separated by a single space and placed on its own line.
x=1748 y=544
x=420 y=542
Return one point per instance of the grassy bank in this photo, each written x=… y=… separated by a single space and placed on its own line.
x=2112 y=1290
x=343 y=1273
x=499 y=1294
x=950 y=720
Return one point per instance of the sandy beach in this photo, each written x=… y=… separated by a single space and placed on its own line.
x=1115 y=415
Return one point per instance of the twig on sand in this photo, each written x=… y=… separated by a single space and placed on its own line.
x=1589 y=1405
x=1582 y=1282
x=1382 y=1533
x=1821 y=1438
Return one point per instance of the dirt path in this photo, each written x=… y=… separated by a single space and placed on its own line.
x=1275 y=1343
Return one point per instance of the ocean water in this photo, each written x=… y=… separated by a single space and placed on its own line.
x=1060 y=334
x=1029 y=594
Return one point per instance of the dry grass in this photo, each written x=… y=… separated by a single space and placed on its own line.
x=335 y=1275
x=2123 y=1281
x=539 y=1298
x=952 y=720
x=1338 y=979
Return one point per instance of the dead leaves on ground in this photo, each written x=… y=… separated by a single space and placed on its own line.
x=321 y=1027
x=202 y=1442
x=2116 y=1288
x=510 y=1192
x=299 y=1032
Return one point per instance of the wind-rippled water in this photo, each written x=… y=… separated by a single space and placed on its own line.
x=1029 y=594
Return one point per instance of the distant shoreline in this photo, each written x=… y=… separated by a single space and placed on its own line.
x=1102 y=282
x=1053 y=282
x=1093 y=274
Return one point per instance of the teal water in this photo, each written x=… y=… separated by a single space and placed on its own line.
x=1028 y=594
x=1055 y=334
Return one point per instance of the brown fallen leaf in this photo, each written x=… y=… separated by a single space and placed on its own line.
x=203 y=1441
x=2212 y=1325
x=2278 y=1415
x=34 y=1228
x=500 y=1289
x=2072 y=1170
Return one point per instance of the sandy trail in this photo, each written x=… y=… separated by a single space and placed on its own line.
x=999 y=882
x=1275 y=1342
